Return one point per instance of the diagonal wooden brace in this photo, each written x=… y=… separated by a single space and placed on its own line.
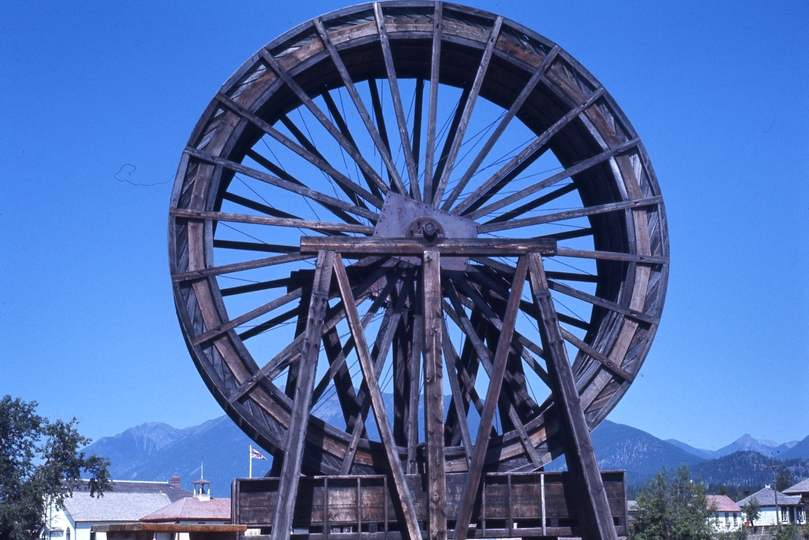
x=299 y=418
x=595 y=516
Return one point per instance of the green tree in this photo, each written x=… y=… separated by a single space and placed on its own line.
x=672 y=507
x=40 y=461
x=783 y=479
x=752 y=511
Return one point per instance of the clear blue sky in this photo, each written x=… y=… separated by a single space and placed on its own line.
x=94 y=93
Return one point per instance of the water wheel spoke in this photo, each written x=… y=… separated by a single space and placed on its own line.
x=247 y=317
x=320 y=226
x=529 y=153
x=571 y=214
x=554 y=179
x=286 y=184
x=432 y=107
x=452 y=134
x=269 y=324
x=350 y=149
x=282 y=283
x=596 y=355
x=600 y=302
x=304 y=148
x=393 y=83
x=457 y=135
x=456 y=416
x=381 y=147
x=238 y=267
x=501 y=127
x=531 y=205
x=379 y=114
x=611 y=256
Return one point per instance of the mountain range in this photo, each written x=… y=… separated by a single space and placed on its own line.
x=157 y=451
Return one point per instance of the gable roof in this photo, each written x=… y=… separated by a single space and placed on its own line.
x=191 y=508
x=766 y=497
x=797 y=489
x=126 y=501
x=722 y=503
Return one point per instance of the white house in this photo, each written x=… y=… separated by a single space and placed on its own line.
x=726 y=516
x=127 y=501
x=777 y=508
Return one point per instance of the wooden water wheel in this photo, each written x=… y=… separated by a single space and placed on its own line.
x=351 y=227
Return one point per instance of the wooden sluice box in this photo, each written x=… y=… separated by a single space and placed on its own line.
x=511 y=505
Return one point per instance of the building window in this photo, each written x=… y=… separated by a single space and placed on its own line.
x=67 y=533
x=784 y=516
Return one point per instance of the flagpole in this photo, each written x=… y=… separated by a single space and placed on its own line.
x=251 y=461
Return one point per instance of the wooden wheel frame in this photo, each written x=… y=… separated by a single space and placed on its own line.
x=402 y=123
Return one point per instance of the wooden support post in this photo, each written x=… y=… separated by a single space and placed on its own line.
x=299 y=419
x=434 y=395
x=473 y=478
x=595 y=517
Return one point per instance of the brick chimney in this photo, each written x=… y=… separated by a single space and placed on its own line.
x=175 y=481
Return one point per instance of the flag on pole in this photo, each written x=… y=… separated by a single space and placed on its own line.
x=255 y=454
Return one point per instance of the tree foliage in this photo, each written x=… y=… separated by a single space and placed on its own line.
x=40 y=461
x=672 y=507
x=751 y=511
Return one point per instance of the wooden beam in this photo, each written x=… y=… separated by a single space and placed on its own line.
x=473 y=478
x=434 y=395
x=352 y=246
x=432 y=108
x=457 y=135
x=299 y=417
x=595 y=516
x=363 y=112
x=401 y=121
x=377 y=402
x=512 y=111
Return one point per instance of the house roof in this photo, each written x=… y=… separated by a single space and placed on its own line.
x=797 y=489
x=126 y=501
x=722 y=503
x=192 y=509
x=766 y=497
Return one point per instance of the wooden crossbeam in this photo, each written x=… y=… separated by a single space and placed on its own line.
x=495 y=247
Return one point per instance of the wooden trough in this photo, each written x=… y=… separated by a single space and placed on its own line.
x=512 y=505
